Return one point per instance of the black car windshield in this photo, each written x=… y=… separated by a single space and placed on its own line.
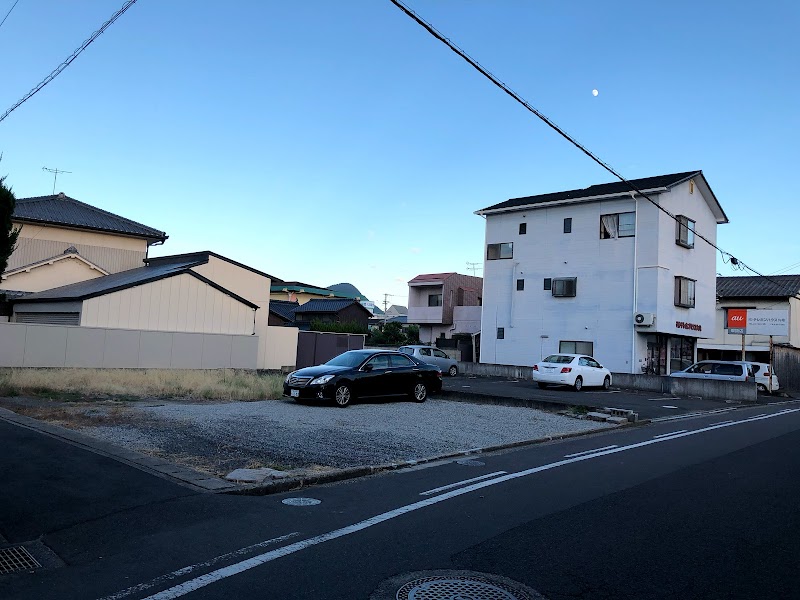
x=559 y=359
x=347 y=359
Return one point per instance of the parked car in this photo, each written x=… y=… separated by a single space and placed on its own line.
x=364 y=374
x=432 y=356
x=576 y=370
x=723 y=370
x=763 y=372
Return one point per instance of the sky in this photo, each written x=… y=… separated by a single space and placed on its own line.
x=329 y=142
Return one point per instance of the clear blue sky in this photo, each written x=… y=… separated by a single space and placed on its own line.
x=327 y=142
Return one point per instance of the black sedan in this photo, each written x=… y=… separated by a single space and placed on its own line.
x=364 y=374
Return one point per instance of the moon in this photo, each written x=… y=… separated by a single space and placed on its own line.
x=595 y=92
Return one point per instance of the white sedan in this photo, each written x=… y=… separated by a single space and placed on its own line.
x=576 y=370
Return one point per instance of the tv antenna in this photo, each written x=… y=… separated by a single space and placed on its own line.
x=55 y=173
x=473 y=266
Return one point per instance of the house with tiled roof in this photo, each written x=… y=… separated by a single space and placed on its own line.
x=332 y=310
x=63 y=241
x=775 y=292
x=444 y=305
x=615 y=270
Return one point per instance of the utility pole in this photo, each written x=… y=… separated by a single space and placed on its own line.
x=473 y=266
x=55 y=173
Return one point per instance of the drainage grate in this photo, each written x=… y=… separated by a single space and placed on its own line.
x=16 y=559
x=457 y=588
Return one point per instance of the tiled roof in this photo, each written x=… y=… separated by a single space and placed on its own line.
x=325 y=305
x=431 y=277
x=124 y=280
x=283 y=308
x=603 y=189
x=773 y=286
x=60 y=209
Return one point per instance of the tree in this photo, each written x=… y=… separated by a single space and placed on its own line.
x=8 y=233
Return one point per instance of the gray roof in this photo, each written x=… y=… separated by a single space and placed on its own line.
x=283 y=308
x=201 y=257
x=60 y=209
x=124 y=280
x=772 y=286
x=325 y=305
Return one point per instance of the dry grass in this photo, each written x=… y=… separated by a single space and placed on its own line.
x=126 y=384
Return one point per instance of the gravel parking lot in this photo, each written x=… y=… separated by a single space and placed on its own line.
x=221 y=437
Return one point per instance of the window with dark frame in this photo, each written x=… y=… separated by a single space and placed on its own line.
x=684 y=292
x=568 y=225
x=569 y=347
x=684 y=231
x=520 y=285
x=434 y=299
x=523 y=228
x=500 y=251
x=565 y=287
x=617 y=225
x=548 y=283
x=501 y=333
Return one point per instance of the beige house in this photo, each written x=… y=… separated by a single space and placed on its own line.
x=64 y=241
x=297 y=291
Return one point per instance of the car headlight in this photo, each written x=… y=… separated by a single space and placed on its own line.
x=288 y=376
x=321 y=380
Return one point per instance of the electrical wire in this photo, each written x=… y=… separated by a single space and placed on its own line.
x=632 y=187
x=9 y=12
x=69 y=60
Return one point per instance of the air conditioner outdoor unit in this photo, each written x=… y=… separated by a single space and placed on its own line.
x=644 y=319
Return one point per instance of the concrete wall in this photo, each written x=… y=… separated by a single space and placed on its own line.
x=87 y=347
x=647 y=383
x=710 y=389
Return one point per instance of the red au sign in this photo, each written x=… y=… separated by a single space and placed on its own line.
x=737 y=317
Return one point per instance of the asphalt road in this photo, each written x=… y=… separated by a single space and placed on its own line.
x=702 y=507
x=649 y=405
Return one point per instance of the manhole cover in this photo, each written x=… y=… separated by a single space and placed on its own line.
x=456 y=585
x=471 y=462
x=16 y=559
x=301 y=501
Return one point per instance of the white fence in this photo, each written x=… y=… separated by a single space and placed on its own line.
x=26 y=345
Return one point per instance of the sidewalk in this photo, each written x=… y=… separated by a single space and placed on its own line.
x=513 y=392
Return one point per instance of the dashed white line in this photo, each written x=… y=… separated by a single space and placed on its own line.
x=723 y=422
x=668 y=434
x=458 y=483
x=245 y=565
x=670 y=406
x=590 y=451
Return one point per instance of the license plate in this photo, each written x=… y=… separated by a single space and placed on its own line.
x=294 y=393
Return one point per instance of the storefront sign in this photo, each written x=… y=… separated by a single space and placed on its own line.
x=767 y=322
x=737 y=319
x=736 y=330
x=691 y=326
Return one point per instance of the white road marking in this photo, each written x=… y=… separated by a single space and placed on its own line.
x=245 y=565
x=458 y=483
x=590 y=451
x=186 y=570
x=669 y=406
x=666 y=434
x=699 y=413
x=662 y=398
x=723 y=422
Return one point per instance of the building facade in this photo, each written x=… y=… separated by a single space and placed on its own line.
x=602 y=271
x=444 y=305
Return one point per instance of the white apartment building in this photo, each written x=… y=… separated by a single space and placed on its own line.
x=602 y=271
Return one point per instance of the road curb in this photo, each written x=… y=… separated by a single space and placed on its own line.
x=479 y=398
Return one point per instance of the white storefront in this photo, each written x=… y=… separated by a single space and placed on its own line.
x=570 y=271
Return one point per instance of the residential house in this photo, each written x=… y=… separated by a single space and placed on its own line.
x=776 y=292
x=281 y=313
x=396 y=311
x=65 y=241
x=602 y=271
x=297 y=291
x=331 y=311
x=444 y=305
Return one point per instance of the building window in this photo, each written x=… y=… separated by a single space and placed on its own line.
x=565 y=287
x=568 y=225
x=501 y=333
x=523 y=228
x=576 y=348
x=499 y=251
x=434 y=299
x=684 y=292
x=548 y=283
x=684 y=231
x=618 y=225
x=520 y=285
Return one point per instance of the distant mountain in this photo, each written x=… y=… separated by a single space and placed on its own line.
x=351 y=291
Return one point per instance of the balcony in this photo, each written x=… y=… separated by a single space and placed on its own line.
x=426 y=315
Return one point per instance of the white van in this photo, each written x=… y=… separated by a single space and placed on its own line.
x=763 y=372
x=724 y=370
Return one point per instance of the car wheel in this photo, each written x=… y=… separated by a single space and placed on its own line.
x=541 y=385
x=343 y=395
x=761 y=387
x=420 y=392
x=452 y=371
x=578 y=385
x=607 y=383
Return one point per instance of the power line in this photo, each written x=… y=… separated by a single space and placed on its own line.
x=8 y=13
x=486 y=73
x=69 y=60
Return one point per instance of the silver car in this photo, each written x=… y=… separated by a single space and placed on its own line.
x=725 y=370
x=432 y=356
